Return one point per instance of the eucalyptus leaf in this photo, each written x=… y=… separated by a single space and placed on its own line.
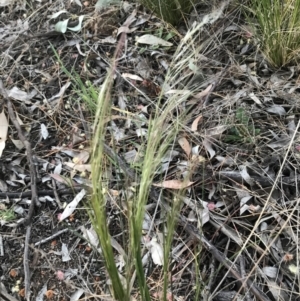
x=55 y=15
x=152 y=40
x=61 y=26
x=78 y=26
x=102 y=4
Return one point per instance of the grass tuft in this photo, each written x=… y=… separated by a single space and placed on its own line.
x=277 y=27
x=170 y=11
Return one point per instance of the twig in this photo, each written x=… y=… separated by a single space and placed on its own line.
x=26 y=194
x=1 y=246
x=51 y=237
x=84 y=123
x=60 y=205
x=26 y=264
x=212 y=274
x=244 y=275
x=34 y=195
x=30 y=159
x=58 y=233
x=120 y=162
x=215 y=84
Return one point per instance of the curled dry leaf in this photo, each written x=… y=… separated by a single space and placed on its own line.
x=125 y=26
x=65 y=253
x=243 y=204
x=132 y=76
x=245 y=175
x=157 y=252
x=3 y=131
x=78 y=26
x=276 y=109
x=204 y=218
x=208 y=147
x=174 y=184
x=216 y=131
x=76 y=295
x=277 y=291
x=91 y=236
x=79 y=167
x=59 y=178
x=72 y=206
x=41 y=293
x=6 y=2
x=178 y=92
x=185 y=145
x=152 y=40
x=203 y=93
x=44 y=131
x=81 y=158
x=61 y=92
x=270 y=271
x=18 y=144
x=194 y=125
x=18 y=94
x=255 y=98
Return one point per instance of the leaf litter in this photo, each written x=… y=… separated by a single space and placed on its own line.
x=235 y=182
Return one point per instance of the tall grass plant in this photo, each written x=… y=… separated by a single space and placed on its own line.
x=169 y=119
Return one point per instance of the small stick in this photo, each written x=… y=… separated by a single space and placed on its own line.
x=27 y=194
x=34 y=194
x=30 y=159
x=60 y=205
x=26 y=264
x=1 y=246
x=51 y=237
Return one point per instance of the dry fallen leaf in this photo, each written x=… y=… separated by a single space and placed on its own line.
x=3 y=131
x=132 y=76
x=208 y=147
x=157 y=252
x=174 y=184
x=203 y=93
x=18 y=94
x=185 y=145
x=125 y=26
x=72 y=206
x=6 y=2
x=76 y=295
x=18 y=144
x=60 y=179
x=79 y=167
x=152 y=40
x=65 y=253
x=195 y=123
